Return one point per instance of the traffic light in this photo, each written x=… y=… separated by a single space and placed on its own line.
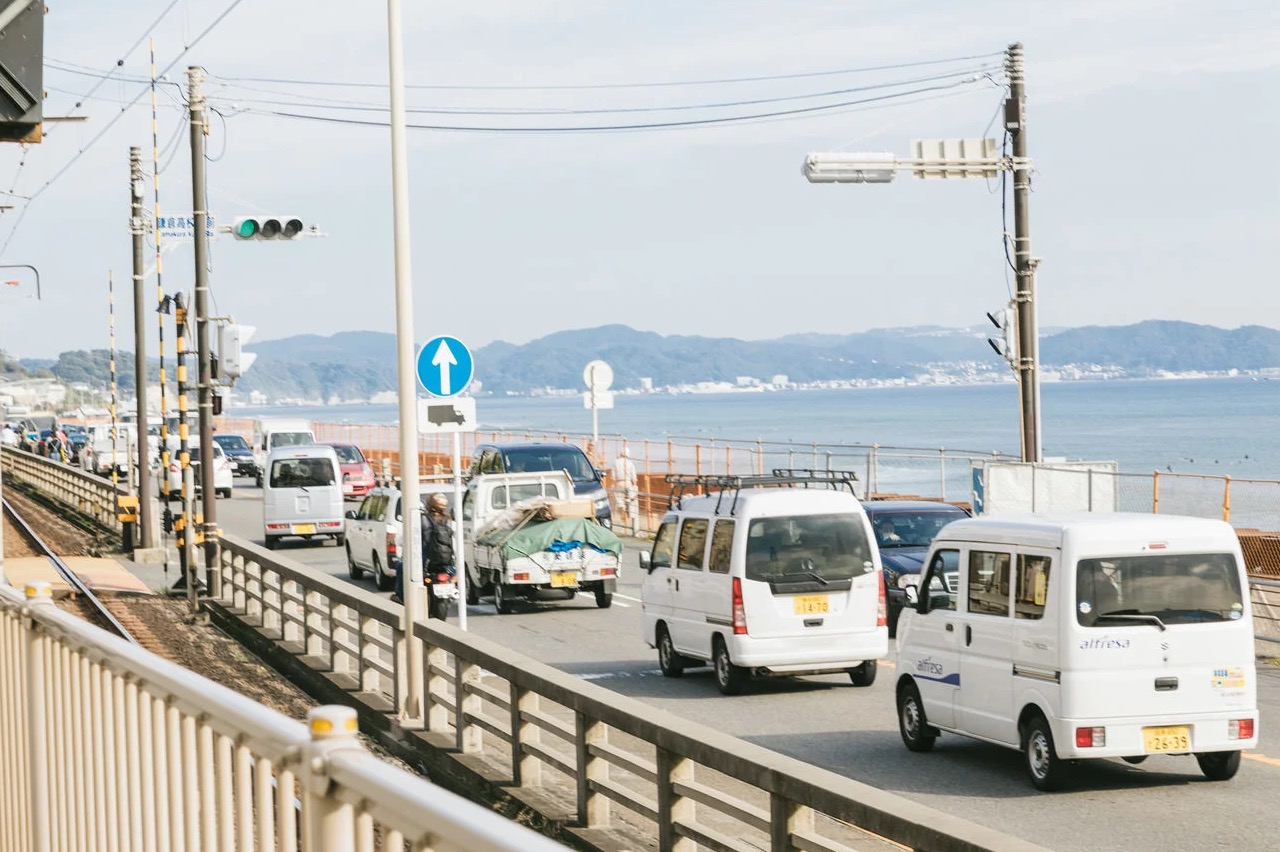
x=1007 y=322
x=267 y=227
x=232 y=360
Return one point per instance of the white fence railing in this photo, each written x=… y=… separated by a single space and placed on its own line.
x=105 y=746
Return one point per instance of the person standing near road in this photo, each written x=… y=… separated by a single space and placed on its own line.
x=624 y=471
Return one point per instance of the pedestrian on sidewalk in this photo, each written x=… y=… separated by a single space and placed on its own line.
x=624 y=472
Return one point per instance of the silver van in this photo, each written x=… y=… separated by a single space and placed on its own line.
x=302 y=494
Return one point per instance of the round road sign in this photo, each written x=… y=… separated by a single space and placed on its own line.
x=598 y=375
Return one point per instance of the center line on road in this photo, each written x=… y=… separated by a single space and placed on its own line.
x=1261 y=758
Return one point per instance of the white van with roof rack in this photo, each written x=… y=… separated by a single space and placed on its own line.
x=1082 y=636
x=765 y=576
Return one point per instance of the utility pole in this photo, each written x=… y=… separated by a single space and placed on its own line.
x=145 y=536
x=1015 y=122
x=204 y=397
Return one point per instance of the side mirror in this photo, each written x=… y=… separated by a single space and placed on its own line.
x=350 y=515
x=645 y=562
x=913 y=595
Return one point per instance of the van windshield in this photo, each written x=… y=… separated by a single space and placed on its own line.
x=289 y=439
x=1176 y=588
x=302 y=473
x=826 y=547
x=568 y=458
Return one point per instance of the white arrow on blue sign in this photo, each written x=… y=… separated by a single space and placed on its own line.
x=444 y=366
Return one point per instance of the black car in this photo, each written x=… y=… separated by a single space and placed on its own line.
x=239 y=453
x=904 y=529
x=518 y=458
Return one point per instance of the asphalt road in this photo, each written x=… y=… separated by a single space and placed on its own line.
x=1164 y=804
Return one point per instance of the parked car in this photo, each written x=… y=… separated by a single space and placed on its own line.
x=521 y=458
x=904 y=530
x=222 y=475
x=374 y=532
x=357 y=475
x=239 y=453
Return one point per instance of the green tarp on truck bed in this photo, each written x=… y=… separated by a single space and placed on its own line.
x=541 y=535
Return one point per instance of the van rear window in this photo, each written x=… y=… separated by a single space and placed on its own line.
x=1176 y=588
x=832 y=547
x=290 y=439
x=302 y=473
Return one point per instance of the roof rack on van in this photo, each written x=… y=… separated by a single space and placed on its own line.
x=779 y=478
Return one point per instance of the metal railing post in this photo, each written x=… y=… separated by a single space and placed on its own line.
x=329 y=824
x=38 y=595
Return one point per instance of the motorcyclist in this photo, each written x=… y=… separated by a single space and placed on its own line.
x=437 y=552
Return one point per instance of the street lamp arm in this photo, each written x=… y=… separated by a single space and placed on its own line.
x=25 y=266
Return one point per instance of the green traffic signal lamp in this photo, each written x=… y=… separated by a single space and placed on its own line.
x=247 y=229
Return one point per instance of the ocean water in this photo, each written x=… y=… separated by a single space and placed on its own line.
x=1211 y=425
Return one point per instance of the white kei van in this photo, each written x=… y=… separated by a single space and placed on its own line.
x=302 y=494
x=772 y=575
x=271 y=433
x=1080 y=636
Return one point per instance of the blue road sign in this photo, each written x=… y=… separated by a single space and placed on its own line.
x=445 y=366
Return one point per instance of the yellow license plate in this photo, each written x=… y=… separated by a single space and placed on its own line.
x=810 y=604
x=564 y=578
x=304 y=529
x=1174 y=738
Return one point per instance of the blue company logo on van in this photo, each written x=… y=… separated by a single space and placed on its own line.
x=928 y=669
x=1103 y=643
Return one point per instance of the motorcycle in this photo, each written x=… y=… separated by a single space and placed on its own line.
x=442 y=590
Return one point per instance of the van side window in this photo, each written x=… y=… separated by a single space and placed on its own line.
x=663 y=544
x=468 y=505
x=940 y=581
x=1033 y=586
x=498 y=498
x=364 y=509
x=989 y=582
x=693 y=543
x=721 y=547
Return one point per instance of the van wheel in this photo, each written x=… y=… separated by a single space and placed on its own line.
x=473 y=588
x=272 y=542
x=604 y=599
x=1134 y=759
x=352 y=570
x=224 y=492
x=385 y=583
x=1219 y=765
x=917 y=733
x=671 y=663
x=863 y=674
x=730 y=678
x=501 y=598
x=340 y=539
x=1047 y=770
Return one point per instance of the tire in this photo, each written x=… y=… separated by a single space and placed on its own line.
x=1134 y=759
x=1219 y=765
x=353 y=571
x=257 y=480
x=224 y=492
x=385 y=583
x=894 y=613
x=340 y=539
x=437 y=608
x=917 y=734
x=272 y=542
x=671 y=662
x=863 y=674
x=604 y=599
x=731 y=679
x=473 y=588
x=502 y=598
x=1046 y=770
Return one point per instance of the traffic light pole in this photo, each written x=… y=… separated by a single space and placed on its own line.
x=209 y=493
x=146 y=538
x=1015 y=122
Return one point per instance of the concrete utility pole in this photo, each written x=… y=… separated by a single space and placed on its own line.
x=407 y=384
x=209 y=495
x=146 y=539
x=1015 y=122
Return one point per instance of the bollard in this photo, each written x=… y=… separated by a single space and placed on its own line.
x=330 y=822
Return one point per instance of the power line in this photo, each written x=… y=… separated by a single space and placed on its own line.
x=110 y=124
x=584 y=86
x=600 y=128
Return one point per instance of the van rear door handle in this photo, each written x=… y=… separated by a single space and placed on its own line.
x=968 y=634
x=950 y=627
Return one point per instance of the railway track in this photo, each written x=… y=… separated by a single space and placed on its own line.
x=91 y=607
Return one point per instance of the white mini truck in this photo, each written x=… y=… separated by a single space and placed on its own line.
x=528 y=537
x=1082 y=636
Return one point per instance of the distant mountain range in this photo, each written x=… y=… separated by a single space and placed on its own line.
x=360 y=364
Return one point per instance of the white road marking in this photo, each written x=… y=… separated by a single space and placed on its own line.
x=607 y=675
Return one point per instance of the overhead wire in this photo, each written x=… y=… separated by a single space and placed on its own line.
x=110 y=124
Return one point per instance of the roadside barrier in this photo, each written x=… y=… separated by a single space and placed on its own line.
x=104 y=745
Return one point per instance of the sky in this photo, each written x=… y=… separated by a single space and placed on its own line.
x=1150 y=125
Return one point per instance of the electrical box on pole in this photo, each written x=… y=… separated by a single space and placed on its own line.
x=233 y=360
x=21 y=70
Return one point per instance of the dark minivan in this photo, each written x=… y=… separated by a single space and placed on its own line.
x=518 y=458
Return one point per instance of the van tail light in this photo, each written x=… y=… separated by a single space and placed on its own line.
x=1240 y=729
x=391 y=545
x=1091 y=737
x=739 y=611
x=882 y=610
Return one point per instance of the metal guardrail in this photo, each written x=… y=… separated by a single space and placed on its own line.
x=539 y=727
x=86 y=494
x=104 y=745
